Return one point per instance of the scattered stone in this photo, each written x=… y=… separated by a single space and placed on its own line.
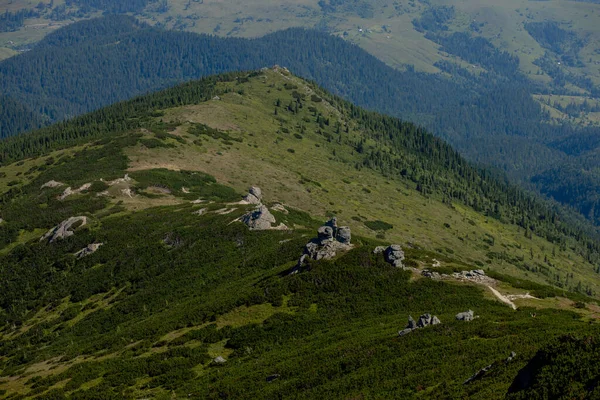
x=477 y=275
x=216 y=98
x=103 y=194
x=379 y=249
x=90 y=249
x=465 y=316
x=68 y=191
x=64 y=229
x=219 y=360
x=254 y=196
x=185 y=190
x=273 y=377
x=394 y=255
x=199 y=201
x=259 y=219
x=125 y=179
x=431 y=274
x=52 y=184
x=201 y=211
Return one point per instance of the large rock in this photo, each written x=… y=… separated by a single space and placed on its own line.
x=90 y=249
x=343 y=234
x=325 y=234
x=326 y=250
x=254 y=196
x=259 y=219
x=330 y=241
x=465 y=316
x=64 y=229
x=394 y=255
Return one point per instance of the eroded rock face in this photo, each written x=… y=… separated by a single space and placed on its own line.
x=64 y=229
x=259 y=219
x=90 y=249
x=254 y=196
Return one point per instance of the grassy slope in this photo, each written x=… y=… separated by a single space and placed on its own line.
x=138 y=330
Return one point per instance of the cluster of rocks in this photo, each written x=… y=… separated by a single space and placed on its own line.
x=260 y=218
x=476 y=275
x=466 y=316
x=331 y=239
x=424 y=321
x=483 y=371
x=393 y=254
x=90 y=249
x=433 y=275
x=64 y=229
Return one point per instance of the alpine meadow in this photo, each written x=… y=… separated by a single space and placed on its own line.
x=342 y=199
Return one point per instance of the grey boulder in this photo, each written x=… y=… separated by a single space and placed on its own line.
x=394 y=255
x=259 y=219
x=465 y=316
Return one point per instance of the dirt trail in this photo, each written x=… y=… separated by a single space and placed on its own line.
x=503 y=298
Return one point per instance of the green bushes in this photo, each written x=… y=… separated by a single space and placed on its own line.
x=197 y=184
x=378 y=225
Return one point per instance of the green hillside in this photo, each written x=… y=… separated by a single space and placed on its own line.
x=177 y=282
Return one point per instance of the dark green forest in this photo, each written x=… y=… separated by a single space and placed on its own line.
x=490 y=118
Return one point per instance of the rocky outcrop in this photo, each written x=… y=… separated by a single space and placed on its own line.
x=259 y=219
x=90 y=249
x=393 y=254
x=64 y=229
x=254 y=196
x=465 y=316
x=219 y=360
x=52 y=184
x=424 y=321
x=330 y=241
x=476 y=275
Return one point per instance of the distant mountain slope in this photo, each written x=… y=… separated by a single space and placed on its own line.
x=164 y=292
x=490 y=118
x=15 y=117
